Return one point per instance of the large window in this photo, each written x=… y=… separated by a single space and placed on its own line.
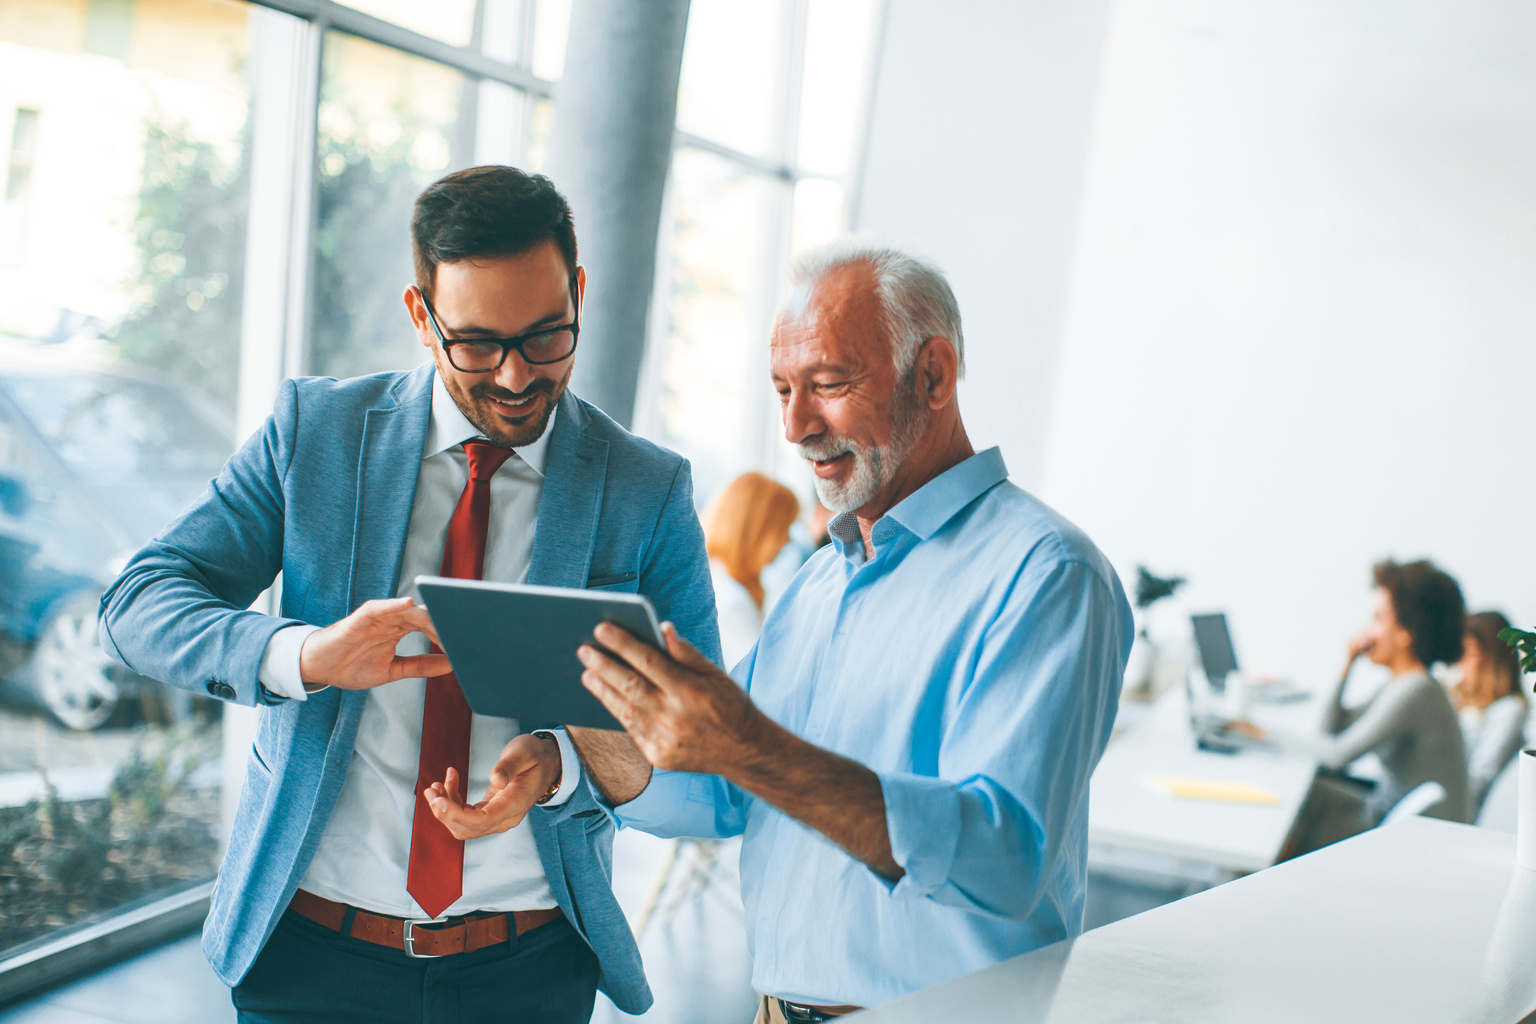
x=390 y=124
x=199 y=198
x=122 y=247
x=770 y=115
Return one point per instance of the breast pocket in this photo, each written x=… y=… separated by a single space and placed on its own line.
x=621 y=582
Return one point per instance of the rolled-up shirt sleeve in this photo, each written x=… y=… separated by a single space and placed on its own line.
x=684 y=804
x=1011 y=795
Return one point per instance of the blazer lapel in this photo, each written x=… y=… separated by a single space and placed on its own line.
x=574 y=476
x=393 y=434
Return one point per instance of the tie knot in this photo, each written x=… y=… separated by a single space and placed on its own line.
x=485 y=459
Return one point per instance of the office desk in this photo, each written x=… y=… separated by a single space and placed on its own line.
x=1123 y=811
x=1421 y=921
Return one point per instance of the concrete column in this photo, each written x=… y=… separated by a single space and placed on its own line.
x=609 y=150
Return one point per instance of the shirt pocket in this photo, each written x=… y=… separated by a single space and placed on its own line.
x=619 y=582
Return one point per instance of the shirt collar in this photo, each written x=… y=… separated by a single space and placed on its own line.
x=925 y=511
x=449 y=429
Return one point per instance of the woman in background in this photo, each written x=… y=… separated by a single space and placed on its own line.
x=1490 y=704
x=745 y=527
x=1418 y=620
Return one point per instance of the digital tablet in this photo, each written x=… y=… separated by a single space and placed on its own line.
x=513 y=646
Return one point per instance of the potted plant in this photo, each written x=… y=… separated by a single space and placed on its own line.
x=1524 y=644
x=1141 y=672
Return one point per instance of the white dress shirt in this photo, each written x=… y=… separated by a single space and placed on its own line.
x=363 y=854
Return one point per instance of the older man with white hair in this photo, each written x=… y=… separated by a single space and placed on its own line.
x=907 y=749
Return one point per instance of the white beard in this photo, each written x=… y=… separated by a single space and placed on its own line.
x=868 y=476
x=873 y=465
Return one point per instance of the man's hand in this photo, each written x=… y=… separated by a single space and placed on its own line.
x=358 y=652
x=1248 y=729
x=529 y=768
x=1359 y=644
x=682 y=712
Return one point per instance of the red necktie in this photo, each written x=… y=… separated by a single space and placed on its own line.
x=435 y=873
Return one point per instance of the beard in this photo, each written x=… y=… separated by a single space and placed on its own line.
x=505 y=432
x=874 y=466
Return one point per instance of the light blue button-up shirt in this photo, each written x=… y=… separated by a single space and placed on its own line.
x=974 y=663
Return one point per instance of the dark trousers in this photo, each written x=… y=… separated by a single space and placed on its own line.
x=308 y=973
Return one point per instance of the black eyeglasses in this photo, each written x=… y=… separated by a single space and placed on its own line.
x=484 y=355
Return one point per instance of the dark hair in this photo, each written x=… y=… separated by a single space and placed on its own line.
x=1502 y=659
x=485 y=212
x=1428 y=605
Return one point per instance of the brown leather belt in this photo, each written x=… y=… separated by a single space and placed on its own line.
x=795 y=1012
x=421 y=939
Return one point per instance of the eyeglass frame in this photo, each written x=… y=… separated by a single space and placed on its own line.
x=507 y=344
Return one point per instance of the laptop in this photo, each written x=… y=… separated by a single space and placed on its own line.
x=1213 y=643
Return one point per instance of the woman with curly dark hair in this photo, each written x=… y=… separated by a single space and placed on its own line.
x=1417 y=621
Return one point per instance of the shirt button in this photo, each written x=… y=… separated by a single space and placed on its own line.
x=221 y=690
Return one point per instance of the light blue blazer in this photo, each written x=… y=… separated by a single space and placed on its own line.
x=323 y=492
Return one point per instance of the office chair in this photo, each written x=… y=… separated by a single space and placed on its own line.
x=1415 y=802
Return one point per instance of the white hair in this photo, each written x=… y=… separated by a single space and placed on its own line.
x=916 y=302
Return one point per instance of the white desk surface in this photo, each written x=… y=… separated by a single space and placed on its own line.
x=1123 y=811
x=1420 y=921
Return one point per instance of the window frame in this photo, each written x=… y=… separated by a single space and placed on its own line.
x=762 y=414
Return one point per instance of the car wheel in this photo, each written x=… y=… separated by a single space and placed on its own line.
x=69 y=671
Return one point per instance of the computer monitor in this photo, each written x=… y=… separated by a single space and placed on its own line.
x=1214 y=643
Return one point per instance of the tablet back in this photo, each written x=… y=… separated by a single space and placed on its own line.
x=513 y=646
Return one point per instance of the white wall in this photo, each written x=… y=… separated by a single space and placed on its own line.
x=1302 y=331
x=978 y=144
x=1293 y=329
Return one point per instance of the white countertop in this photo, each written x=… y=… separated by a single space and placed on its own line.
x=1123 y=811
x=1421 y=921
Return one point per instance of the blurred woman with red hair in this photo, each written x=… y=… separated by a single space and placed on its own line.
x=745 y=528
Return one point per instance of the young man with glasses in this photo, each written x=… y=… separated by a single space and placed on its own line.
x=341 y=897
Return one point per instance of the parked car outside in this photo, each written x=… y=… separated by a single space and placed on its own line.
x=94 y=460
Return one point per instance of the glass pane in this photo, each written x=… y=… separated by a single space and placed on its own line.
x=498 y=123
x=390 y=124
x=501 y=29
x=724 y=273
x=838 y=39
x=551 y=23
x=732 y=85
x=538 y=135
x=122 y=248
x=452 y=21
x=818 y=214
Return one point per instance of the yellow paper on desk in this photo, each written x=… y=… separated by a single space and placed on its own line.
x=1220 y=790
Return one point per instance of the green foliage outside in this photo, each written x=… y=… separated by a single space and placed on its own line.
x=363 y=257
x=61 y=862
x=190 y=237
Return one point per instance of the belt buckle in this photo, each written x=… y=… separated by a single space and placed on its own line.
x=410 y=942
